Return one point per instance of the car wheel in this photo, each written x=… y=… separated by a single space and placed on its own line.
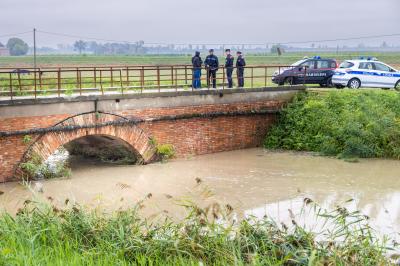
x=289 y=80
x=322 y=85
x=354 y=83
x=397 y=86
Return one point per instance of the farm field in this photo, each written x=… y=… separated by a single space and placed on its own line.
x=118 y=60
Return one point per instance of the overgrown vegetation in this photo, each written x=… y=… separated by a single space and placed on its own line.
x=35 y=168
x=46 y=235
x=164 y=151
x=345 y=123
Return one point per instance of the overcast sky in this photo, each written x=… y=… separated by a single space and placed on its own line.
x=207 y=21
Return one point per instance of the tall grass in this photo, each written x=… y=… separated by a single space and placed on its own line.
x=41 y=234
x=341 y=123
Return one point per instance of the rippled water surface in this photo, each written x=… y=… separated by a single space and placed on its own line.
x=254 y=181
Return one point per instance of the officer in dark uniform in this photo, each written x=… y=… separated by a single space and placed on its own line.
x=212 y=65
x=196 y=63
x=240 y=64
x=229 y=67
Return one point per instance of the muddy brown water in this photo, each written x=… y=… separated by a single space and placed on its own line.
x=253 y=181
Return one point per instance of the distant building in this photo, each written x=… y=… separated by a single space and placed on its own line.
x=4 y=50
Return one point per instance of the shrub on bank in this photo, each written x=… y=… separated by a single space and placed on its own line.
x=340 y=123
x=47 y=235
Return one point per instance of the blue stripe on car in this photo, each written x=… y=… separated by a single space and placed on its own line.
x=396 y=75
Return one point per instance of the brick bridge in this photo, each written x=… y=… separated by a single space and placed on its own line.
x=194 y=123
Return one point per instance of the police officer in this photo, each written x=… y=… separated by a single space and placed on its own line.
x=196 y=63
x=240 y=64
x=229 y=67
x=212 y=65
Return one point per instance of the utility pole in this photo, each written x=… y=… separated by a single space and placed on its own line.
x=34 y=48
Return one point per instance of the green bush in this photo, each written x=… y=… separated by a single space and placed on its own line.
x=341 y=123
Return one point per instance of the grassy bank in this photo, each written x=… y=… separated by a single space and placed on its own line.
x=44 y=235
x=362 y=123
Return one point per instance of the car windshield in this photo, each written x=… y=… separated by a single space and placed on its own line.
x=346 y=64
x=298 y=62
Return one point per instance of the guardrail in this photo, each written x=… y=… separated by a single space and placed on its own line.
x=67 y=81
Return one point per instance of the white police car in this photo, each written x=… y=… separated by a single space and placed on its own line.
x=366 y=73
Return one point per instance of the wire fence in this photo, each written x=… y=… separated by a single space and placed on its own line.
x=77 y=81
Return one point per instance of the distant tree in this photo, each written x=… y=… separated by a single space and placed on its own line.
x=17 y=46
x=384 y=45
x=80 y=46
x=276 y=48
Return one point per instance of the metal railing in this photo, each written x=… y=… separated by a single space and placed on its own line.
x=75 y=81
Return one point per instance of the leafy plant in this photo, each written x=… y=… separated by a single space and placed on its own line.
x=347 y=124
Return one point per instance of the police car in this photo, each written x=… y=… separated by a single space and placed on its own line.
x=366 y=73
x=317 y=70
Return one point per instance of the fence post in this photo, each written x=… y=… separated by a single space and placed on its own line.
x=176 y=79
x=172 y=76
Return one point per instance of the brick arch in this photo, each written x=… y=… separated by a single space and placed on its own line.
x=131 y=134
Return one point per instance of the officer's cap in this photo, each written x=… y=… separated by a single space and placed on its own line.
x=211 y=50
x=239 y=52
x=227 y=50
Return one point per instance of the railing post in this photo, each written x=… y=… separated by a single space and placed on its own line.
x=59 y=82
x=127 y=77
x=186 y=76
x=252 y=77
x=95 y=77
x=40 y=80
x=120 y=79
x=101 y=82
x=158 y=79
x=172 y=76
x=34 y=81
x=112 y=77
x=19 y=81
x=142 y=79
x=176 y=79
x=223 y=78
x=11 y=87
x=265 y=76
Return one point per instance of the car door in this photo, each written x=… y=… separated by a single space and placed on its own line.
x=367 y=74
x=307 y=67
x=385 y=76
x=323 y=68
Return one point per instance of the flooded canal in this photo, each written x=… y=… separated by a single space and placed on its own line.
x=254 y=182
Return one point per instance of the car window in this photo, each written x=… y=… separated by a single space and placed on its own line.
x=323 y=64
x=346 y=64
x=382 y=67
x=309 y=64
x=367 y=65
x=298 y=63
